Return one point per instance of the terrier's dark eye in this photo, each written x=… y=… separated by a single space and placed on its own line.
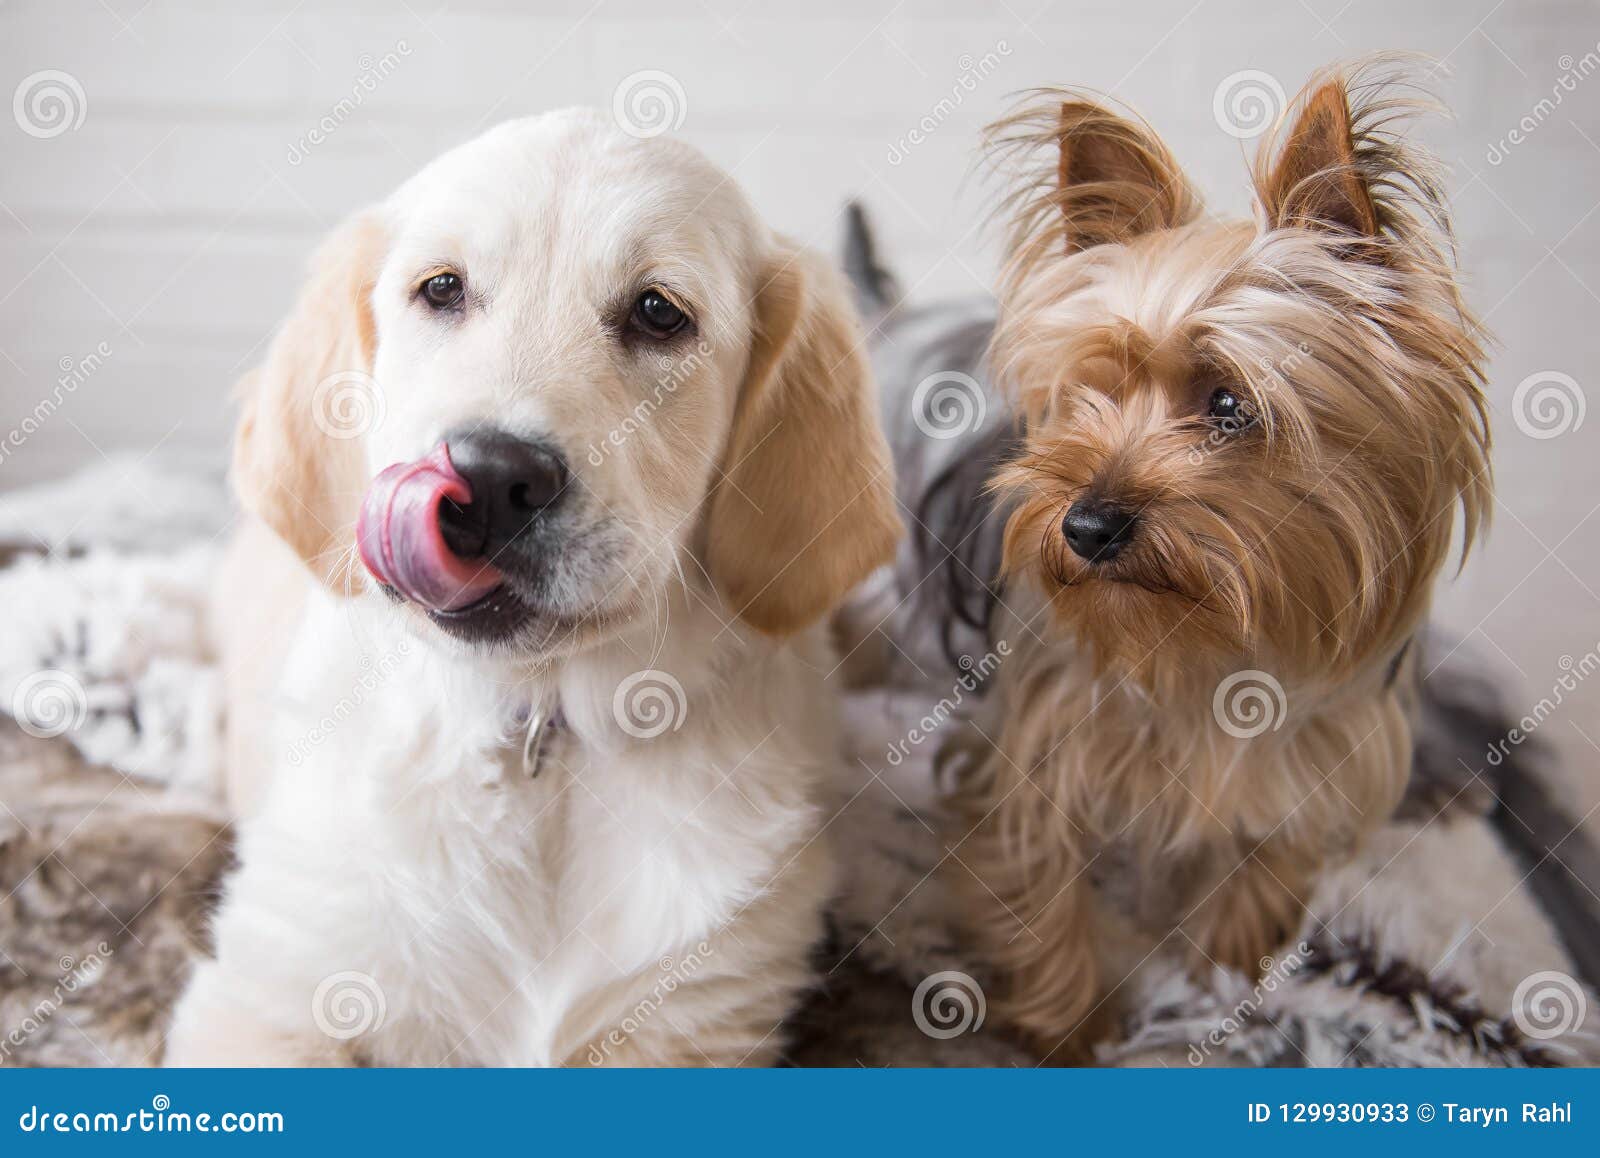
x=442 y=291
x=656 y=316
x=1230 y=412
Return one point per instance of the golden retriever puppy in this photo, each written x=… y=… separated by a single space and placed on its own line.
x=554 y=469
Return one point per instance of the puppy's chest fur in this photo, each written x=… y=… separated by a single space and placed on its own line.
x=512 y=915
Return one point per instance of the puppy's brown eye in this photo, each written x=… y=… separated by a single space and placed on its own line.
x=657 y=316
x=1230 y=412
x=442 y=291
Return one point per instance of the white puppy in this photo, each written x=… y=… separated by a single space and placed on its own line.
x=539 y=783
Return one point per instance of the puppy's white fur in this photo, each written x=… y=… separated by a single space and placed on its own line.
x=408 y=894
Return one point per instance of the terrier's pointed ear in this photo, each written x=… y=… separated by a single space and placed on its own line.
x=1115 y=179
x=1313 y=181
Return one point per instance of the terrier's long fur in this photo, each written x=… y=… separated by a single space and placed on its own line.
x=1222 y=704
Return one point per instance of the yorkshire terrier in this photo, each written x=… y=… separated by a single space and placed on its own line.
x=1243 y=447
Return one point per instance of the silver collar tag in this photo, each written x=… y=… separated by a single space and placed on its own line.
x=543 y=719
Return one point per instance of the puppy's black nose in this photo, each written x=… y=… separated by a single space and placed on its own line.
x=1097 y=531
x=514 y=481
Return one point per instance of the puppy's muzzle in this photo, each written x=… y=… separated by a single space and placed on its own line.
x=449 y=529
x=515 y=483
x=1097 y=531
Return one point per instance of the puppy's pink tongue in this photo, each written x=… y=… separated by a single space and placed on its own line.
x=400 y=541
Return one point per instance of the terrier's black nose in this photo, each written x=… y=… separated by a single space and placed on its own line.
x=514 y=481
x=1097 y=530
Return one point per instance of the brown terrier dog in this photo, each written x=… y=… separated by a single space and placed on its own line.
x=1245 y=444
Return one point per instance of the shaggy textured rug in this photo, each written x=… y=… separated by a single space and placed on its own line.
x=1437 y=946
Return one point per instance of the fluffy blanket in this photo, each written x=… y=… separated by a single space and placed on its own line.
x=1435 y=947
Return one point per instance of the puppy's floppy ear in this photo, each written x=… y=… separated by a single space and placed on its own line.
x=804 y=509
x=1313 y=181
x=297 y=457
x=1114 y=178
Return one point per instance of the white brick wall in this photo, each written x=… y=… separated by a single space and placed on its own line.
x=171 y=223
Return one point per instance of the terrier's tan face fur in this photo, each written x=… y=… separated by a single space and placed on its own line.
x=1303 y=524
